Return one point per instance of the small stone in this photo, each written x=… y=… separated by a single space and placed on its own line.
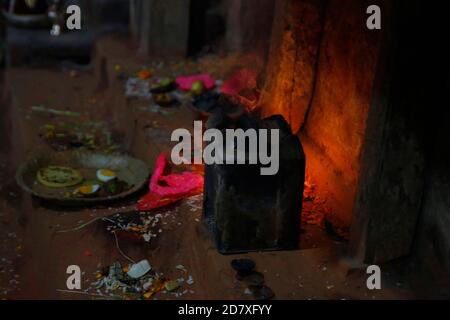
x=241 y=275
x=254 y=279
x=262 y=292
x=243 y=265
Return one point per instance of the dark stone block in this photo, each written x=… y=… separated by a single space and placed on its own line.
x=248 y=211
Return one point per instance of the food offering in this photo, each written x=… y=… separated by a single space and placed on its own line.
x=105 y=184
x=82 y=177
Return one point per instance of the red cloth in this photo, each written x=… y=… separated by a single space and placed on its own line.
x=176 y=187
x=240 y=80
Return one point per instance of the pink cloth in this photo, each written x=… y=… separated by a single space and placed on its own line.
x=185 y=82
x=177 y=187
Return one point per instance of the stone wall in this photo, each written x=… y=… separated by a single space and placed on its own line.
x=368 y=107
x=320 y=81
x=432 y=246
x=291 y=67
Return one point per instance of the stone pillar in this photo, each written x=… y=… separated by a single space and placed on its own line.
x=249 y=25
x=161 y=27
x=391 y=177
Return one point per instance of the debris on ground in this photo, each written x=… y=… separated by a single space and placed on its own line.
x=136 y=281
x=55 y=112
x=144 y=74
x=137 y=88
x=91 y=135
x=154 y=108
x=195 y=203
x=11 y=255
x=316 y=212
x=313 y=211
x=139 y=269
x=143 y=228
